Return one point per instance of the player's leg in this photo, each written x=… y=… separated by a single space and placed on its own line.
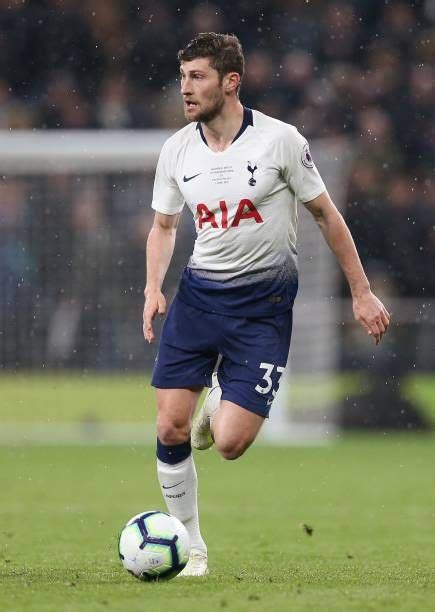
x=224 y=423
x=234 y=429
x=175 y=466
x=182 y=368
x=254 y=356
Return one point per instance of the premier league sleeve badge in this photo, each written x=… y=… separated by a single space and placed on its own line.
x=306 y=158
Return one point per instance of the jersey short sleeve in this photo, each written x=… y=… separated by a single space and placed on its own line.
x=167 y=198
x=299 y=170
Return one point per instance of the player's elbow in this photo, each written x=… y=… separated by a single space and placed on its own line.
x=328 y=220
x=166 y=223
x=161 y=232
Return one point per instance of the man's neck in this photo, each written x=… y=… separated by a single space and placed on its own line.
x=220 y=132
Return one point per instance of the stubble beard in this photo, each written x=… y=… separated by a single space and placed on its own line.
x=212 y=112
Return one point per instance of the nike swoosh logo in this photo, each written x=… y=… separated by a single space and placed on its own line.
x=186 y=179
x=172 y=486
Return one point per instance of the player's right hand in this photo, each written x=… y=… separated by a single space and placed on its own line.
x=154 y=303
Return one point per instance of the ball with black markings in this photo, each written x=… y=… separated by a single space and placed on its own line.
x=154 y=546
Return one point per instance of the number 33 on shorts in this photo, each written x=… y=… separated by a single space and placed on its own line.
x=268 y=383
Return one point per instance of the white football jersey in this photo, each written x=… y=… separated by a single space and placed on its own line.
x=244 y=199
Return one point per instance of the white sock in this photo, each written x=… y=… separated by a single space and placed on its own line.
x=179 y=485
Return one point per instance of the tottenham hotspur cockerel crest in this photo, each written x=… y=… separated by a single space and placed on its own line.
x=252 y=167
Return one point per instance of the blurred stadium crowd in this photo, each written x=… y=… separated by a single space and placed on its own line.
x=364 y=70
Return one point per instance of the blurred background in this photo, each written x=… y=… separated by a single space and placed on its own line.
x=356 y=78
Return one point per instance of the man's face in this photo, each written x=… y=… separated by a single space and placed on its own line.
x=202 y=91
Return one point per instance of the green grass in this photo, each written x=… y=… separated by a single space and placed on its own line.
x=75 y=397
x=66 y=398
x=421 y=390
x=370 y=501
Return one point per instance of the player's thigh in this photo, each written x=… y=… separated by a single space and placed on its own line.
x=187 y=351
x=235 y=428
x=175 y=409
x=254 y=359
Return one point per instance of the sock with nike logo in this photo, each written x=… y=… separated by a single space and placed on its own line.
x=179 y=485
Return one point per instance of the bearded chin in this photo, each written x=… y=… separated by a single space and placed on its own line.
x=211 y=113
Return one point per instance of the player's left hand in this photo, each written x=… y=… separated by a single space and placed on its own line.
x=371 y=314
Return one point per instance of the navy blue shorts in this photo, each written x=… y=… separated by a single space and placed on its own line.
x=254 y=354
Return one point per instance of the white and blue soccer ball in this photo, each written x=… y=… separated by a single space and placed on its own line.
x=154 y=546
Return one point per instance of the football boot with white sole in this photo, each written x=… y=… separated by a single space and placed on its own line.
x=200 y=435
x=197 y=564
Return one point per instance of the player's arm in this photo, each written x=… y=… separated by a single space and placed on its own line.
x=160 y=247
x=367 y=308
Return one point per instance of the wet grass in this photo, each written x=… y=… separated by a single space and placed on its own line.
x=77 y=397
x=350 y=526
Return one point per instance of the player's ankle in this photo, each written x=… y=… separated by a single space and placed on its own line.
x=198 y=545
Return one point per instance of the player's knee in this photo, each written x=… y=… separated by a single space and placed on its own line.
x=231 y=449
x=170 y=431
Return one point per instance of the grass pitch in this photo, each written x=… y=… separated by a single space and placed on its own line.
x=62 y=398
x=369 y=501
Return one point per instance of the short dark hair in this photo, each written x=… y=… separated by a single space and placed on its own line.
x=224 y=50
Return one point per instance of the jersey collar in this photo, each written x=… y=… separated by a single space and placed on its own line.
x=248 y=119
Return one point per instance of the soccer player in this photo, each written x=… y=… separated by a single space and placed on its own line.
x=242 y=174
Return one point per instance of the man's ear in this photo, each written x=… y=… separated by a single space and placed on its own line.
x=231 y=81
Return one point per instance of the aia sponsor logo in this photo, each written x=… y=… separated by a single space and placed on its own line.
x=246 y=211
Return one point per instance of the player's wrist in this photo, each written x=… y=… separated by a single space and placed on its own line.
x=360 y=291
x=151 y=290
